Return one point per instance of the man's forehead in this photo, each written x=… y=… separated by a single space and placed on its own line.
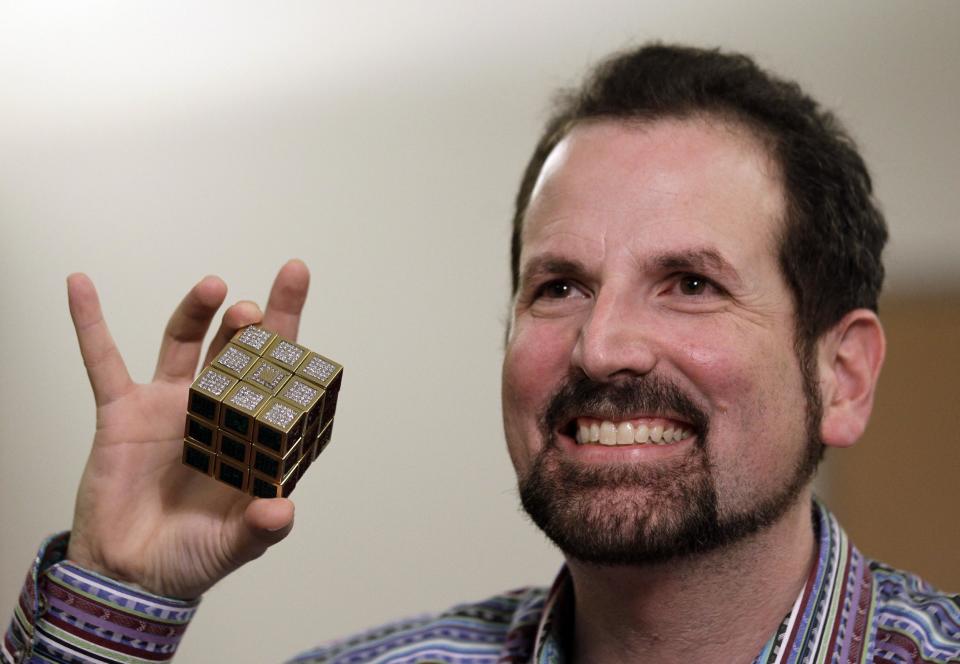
x=673 y=174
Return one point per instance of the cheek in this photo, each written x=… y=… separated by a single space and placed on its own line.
x=717 y=370
x=537 y=360
x=752 y=381
x=753 y=389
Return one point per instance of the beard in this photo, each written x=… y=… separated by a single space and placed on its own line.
x=638 y=514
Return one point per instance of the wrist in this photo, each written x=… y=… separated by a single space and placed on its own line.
x=79 y=556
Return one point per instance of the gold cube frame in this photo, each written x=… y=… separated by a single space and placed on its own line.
x=200 y=459
x=206 y=393
x=272 y=467
x=239 y=410
x=261 y=487
x=286 y=353
x=327 y=374
x=233 y=360
x=268 y=376
x=200 y=433
x=279 y=426
x=260 y=413
x=231 y=474
x=304 y=395
x=233 y=447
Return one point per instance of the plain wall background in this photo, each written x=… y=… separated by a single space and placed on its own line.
x=896 y=491
x=148 y=144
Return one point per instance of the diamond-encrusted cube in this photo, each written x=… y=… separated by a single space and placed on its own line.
x=240 y=408
x=233 y=360
x=233 y=447
x=286 y=353
x=308 y=449
x=323 y=438
x=327 y=374
x=279 y=426
x=265 y=488
x=260 y=413
x=273 y=467
x=200 y=432
x=306 y=396
x=268 y=376
x=230 y=473
x=321 y=370
x=198 y=458
x=254 y=339
x=206 y=393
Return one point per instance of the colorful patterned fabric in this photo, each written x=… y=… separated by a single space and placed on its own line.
x=852 y=610
x=68 y=614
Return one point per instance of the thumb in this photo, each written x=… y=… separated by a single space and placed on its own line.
x=264 y=523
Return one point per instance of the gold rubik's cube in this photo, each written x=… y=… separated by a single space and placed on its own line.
x=260 y=413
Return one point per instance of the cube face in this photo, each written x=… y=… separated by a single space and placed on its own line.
x=285 y=353
x=267 y=376
x=303 y=466
x=233 y=448
x=321 y=371
x=329 y=409
x=327 y=374
x=240 y=408
x=263 y=488
x=323 y=438
x=233 y=360
x=231 y=474
x=309 y=450
x=306 y=396
x=197 y=458
x=206 y=393
x=260 y=413
x=279 y=426
x=272 y=467
x=254 y=339
x=200 y=432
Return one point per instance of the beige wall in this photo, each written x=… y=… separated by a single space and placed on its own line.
x=897 y=491
x=149 y=143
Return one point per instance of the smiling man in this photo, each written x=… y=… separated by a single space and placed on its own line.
x=652 y=396
x=696 y=263
x=654 y=399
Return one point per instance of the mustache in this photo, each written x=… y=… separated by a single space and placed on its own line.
x=579 y=395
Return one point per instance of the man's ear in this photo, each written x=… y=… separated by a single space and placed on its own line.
x=850 y=355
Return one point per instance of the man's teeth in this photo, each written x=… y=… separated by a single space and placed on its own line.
x=626 y=433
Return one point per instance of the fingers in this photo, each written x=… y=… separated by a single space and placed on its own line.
x=265 y=522
x=105 y=368
x=272 y=516
x=286 y=300
x=183 y=337
x=239 y=315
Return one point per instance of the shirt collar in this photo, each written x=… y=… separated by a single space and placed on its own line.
x=829 y=621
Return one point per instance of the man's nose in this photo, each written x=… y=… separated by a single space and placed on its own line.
x=617 y=340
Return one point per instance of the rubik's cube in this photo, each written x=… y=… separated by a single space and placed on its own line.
x=260 y=413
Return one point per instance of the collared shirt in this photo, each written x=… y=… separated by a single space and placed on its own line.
x=851 y=610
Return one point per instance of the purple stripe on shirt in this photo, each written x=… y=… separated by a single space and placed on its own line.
x=82 y=619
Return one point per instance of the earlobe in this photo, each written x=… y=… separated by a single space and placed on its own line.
x=850 y=356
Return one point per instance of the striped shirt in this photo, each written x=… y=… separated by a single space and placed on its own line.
x=851 y=610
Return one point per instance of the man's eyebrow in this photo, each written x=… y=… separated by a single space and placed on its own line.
x=706 y=260
x=696 y=260
x=550 y=264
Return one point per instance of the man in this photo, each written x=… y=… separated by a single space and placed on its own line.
x=696 y=262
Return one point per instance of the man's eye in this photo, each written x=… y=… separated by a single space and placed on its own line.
x=555 y=290
x=693 y=284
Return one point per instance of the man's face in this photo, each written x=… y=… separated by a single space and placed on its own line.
x=653 y=399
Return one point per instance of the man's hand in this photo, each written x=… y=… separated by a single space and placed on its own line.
x=141 y=516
